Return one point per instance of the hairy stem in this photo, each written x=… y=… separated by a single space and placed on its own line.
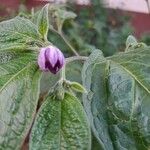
x=63 y=73
x=60 y=33
x=70 y=59
x=68 y=43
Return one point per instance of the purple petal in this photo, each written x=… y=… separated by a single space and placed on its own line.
x=61 y=57
x=52 y=55
x=49 y=67
x=41 y=59
x=51 y=59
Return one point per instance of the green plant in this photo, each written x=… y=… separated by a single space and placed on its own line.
x=115 y=90
x=146 y=38
x=96 y=27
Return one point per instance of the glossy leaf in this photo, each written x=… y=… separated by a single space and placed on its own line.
x=19 y=93
x=18 y=33
x=60 y=125
x=43 y=21
x=118 y=99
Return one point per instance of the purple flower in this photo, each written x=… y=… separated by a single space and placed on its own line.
x=51 y=59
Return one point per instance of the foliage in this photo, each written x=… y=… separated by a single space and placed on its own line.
x=117 y=102
x=19 y=80
x=59 y=125
x=146 y=38
x=96 y=27
x=116 y=89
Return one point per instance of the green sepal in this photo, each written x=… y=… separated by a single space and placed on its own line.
x=75 y=86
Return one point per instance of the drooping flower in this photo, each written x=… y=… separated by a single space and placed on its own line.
x=51 y=59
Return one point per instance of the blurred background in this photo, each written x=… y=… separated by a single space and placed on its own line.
x=104 y=24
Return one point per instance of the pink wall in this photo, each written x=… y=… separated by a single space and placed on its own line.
x=33 y=3
x=8 y=6
x=140 y=21
x=128 y=5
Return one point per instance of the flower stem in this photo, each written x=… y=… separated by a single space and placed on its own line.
x=60 y=33
x=68 y=43
x=63 y=73
x=70 y=59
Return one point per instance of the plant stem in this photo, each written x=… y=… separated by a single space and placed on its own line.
x=68 y=43
x=63 y=73
x=60 y=33
x=70 y=59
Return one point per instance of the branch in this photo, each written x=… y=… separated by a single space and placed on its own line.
x=66 y=41
x=70 y=59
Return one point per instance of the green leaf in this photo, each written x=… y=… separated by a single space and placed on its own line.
x=19 y=93
x=94 y=75
x=60 y=125
x=132 y=44
x=95 y=144
x=43 y=21
x=73 y=71
x=77 y=87
x=64 y=14
x=117 y=101
x=131 y=40
x=18 y=33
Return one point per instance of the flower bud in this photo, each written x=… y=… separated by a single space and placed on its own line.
x=51 y=59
